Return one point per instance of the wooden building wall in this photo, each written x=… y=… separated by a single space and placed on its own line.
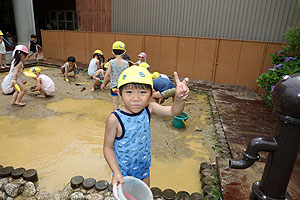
x=236 y=62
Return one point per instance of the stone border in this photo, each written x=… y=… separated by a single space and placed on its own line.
x=221 y=144
x=210 y=181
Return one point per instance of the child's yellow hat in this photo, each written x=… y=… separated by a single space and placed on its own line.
x=98 y=52
x=135 y=74
x=119 y=45
x=32 y=71
x=1 y=32
x=144 y=65
x=106 y=65
x=35 y=70
x=155 y=75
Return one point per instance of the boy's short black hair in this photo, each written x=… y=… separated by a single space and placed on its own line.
x=118 y=51
x=71 y=59
x=110 y=58
x=33 y=36
x=135 y=85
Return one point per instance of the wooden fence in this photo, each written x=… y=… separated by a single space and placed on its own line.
x=235 y=62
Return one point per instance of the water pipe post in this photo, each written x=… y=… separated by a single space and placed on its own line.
x=283 y=148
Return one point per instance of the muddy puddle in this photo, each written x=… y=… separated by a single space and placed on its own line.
x=62 y=136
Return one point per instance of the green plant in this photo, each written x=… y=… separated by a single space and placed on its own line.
x=285 y=62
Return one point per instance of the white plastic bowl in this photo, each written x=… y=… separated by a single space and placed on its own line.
x=132 y=189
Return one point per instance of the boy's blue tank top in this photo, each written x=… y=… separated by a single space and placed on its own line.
x=133 y=147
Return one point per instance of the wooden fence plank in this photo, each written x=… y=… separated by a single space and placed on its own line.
x=152 y=49
x=227 y=64
x=204 y=59
x=249 y=64
x=168 y=54
x=186 y=54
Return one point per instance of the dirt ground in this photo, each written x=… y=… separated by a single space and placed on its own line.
x=168 y=143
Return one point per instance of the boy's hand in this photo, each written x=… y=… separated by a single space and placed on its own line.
x=103 y=87
x=24 y=82
x=117 y=179
x=182 y=90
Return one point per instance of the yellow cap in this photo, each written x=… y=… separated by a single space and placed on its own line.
x=135 y=74
x=144 y=65
x=106 y=65
x=155 y=75
x=35 y=70
x=32 y=71
x=119 y=45
x=1 y=32
x=29 y=74
x=99 y=52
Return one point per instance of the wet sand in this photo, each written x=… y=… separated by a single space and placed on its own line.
x=62 y=136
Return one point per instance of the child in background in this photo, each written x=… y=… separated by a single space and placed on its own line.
x=127 y=140
x=145 y=65
x=12 y=82
x=142 y=58
x=156 y=75
x=99 y=76
x=96 y=62
x=33 y=47
x=2 y=52
x=69 y=66
x=44 y=83
x=164 y=89
x=127 y=58
x=115 y=68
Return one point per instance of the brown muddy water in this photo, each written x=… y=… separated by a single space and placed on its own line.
x=62 y=136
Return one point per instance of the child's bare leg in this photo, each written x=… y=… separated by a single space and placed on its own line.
x=116 y=102
x=43 y=92
x=147 y=180
x=20 y=95
x=95 y=84
x=14 y=98
x=30 y=54
x=1 y=61
x=4 y=60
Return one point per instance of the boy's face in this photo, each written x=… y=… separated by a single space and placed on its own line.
x=135 y=99
x=71 y=63
x=33 y=39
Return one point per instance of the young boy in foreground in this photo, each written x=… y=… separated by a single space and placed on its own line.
x=127 y=141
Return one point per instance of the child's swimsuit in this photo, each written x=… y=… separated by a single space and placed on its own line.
x=164 y=86
x=114 y=75
x=69 y=67
x=7 y=87
x=92 y=67
x=33 y=45
x=133 y=147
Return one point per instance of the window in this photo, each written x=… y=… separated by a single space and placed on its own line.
x=63 y=19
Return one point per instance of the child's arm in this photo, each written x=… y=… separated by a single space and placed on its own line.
x=111 y=128
x=66 y=71
x=106 y=77
x=98 y=64
x=177 y=107
x=75 y=70
x=38 y=85
x=15 y=75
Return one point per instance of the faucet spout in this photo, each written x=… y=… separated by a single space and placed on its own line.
x=250 y=155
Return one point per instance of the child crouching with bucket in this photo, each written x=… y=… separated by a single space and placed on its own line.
x=127 y=141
